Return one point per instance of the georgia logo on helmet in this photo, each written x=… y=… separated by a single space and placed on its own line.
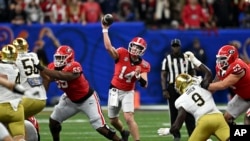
x=9 y=54
x=137 y=46
x=64 y=55
x=226 y=55
x=21 y=45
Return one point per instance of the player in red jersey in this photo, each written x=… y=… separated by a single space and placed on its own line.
x=129 y=68
x=78 y=95
x=232 y=72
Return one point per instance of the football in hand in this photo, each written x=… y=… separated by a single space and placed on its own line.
x=107 y=19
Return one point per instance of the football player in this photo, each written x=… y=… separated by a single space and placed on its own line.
x=30 y=77
x=78 y=95
x=12 y=112
x=199 y=102
x=232 y=72
x=130 y=67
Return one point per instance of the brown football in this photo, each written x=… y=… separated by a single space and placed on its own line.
x=107 y=19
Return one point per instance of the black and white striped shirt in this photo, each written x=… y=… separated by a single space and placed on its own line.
x=175 y=65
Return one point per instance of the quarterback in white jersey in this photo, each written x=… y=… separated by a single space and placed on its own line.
x=198 y=101
x=30 y=78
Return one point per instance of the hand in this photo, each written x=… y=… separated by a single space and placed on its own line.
x=189 y=55
x=163 y=131
x=104 y=26
x=138 y=72
x=166 y=94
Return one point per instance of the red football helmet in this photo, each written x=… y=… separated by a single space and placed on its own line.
x=137 y=46
x=64 y=55
x=226 y=56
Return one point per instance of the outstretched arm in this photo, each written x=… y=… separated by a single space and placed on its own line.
x=107 y=43
x=178 y=121
x=177 y=124
x=208 y=76
x=230 y=80
x=59 y=75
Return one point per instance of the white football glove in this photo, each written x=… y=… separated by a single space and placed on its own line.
x=163 y=131
x=190 y=56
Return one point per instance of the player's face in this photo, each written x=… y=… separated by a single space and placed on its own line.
x=221 y=62
x=59 y=60
x=136 y=50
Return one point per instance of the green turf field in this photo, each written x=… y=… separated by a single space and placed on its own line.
x=78 y=128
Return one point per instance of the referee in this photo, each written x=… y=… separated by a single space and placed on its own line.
x=172 y=65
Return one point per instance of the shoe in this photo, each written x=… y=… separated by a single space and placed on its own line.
x=125 y=134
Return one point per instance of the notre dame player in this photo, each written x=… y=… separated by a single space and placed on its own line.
x=199 y=102
x=30 y=77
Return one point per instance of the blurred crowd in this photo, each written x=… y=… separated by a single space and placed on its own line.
x=177 y=14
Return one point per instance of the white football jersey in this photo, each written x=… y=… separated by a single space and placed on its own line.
x=29 y=75
x=197 y=101
x=12 y=73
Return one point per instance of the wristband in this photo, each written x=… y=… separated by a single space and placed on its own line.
x=143 y=82
x=105 y=31
x=18 y=89
x=138 y=76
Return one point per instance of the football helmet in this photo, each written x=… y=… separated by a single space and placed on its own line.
x=8 y=54
x=21 y=44
x=226 y=55
x=182 y=82
x=64 y=55
x=137 y=46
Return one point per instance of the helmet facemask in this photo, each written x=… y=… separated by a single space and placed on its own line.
x=135 y=49
x=64 y=55
x=222 y=61
x=60 y=60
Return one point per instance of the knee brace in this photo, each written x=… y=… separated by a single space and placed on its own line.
x=106 y=132
x=54 y=126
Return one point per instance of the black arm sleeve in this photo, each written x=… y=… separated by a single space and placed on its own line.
x=142 y=82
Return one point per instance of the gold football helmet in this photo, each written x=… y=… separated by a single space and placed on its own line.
x=21 y=45
x=182 y=81
x=8 y=54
